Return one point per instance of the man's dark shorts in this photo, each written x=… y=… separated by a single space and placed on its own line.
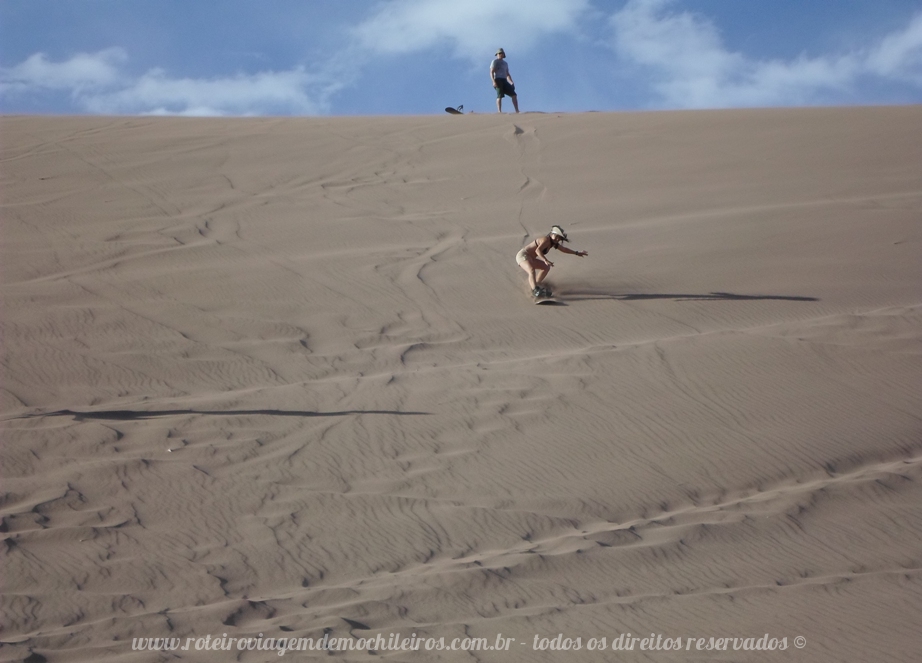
x=503 y=88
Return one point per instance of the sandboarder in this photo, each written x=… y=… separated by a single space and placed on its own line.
x=502 y=81
x=533 y=259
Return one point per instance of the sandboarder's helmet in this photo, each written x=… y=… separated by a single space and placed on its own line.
x=557 y=230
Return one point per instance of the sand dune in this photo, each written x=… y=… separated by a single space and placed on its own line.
x=283 y=377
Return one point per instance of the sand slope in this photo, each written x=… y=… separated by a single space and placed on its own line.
x=282 y=377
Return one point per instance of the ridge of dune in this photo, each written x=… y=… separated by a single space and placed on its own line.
x=283 y=377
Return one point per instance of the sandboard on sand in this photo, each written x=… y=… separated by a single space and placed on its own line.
x=455 y=111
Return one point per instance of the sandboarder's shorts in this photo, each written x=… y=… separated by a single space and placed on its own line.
x=503 y=88
x=521 y=256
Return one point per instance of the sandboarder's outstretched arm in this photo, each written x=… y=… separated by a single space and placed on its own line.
x=581 y=254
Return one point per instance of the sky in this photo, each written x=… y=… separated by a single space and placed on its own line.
x=388 y=57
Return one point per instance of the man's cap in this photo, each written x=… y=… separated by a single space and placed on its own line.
x=500 y=51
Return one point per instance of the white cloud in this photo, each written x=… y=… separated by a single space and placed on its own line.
x=899 y=55
x=472 y=28
x=82 y=72
x=244 y=94
x=690 y=67
x=98 y=83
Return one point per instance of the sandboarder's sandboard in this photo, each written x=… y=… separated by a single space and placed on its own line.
x=545 y=300
x=455 y=111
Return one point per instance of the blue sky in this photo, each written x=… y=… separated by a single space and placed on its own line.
x=370 y=57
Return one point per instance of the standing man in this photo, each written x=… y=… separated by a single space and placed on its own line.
x=502 y=81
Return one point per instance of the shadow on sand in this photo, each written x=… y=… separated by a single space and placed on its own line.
x=134 y=415
x=589 y=293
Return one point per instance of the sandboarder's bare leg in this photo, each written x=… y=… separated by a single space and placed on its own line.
x=499 y=105
x=536 y=272
x=531 y=274
x=515 y=102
